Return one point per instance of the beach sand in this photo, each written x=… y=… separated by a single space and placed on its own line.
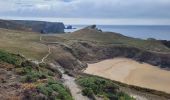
x=132 y=72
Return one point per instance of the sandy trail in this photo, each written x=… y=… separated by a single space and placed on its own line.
x=46 y=56
x=132 y=72
x=71 y=84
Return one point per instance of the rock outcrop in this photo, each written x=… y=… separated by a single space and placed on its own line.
x=69 y=27
x=94 y=27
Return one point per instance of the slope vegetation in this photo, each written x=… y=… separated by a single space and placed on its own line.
x=72 y=52
x=21 y=79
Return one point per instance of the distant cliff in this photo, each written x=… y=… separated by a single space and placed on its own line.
x=35 y=26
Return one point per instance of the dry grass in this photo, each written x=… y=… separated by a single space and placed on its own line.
x=26 y=43
x=53 y=38
x=114 y=38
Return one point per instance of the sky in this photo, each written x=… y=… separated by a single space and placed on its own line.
x=149 y=12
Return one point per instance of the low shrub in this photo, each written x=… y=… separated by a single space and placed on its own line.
x=98 y=85
x=34 y=76
x=10 y=58
x=101 y=87
x=88 y=92
x=124 y=96
x=33 y=73
x=52 y=87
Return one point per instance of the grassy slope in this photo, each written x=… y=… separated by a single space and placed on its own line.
x=10 y=58
x=25 y=43
x=34 y=79
x=114 y=38
x=28 y=44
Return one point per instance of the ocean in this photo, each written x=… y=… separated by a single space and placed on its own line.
x=159 y=32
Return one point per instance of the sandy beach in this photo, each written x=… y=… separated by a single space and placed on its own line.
x=132 y=72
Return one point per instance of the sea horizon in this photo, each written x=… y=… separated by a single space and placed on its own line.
x=159 y=32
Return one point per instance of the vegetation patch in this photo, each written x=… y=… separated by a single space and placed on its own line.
x=101 y=88
x=40 y=80
x=32 y=72
x=10 y=58
x=54 y=90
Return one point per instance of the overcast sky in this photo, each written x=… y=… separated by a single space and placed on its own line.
x=89 y=11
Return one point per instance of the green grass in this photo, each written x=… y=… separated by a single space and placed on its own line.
x=102 y=88
x=33 y=76
x=10 y=58
x=53 y=86
x=124 y=96
x=31 y=73
x=43 y=78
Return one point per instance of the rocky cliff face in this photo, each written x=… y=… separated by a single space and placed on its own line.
x=92 y=52
x=35 y=26
x=75 y=56
x=53 y=27
x=12 y=25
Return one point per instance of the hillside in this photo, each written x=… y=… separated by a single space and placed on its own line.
x=84 y=45
x=92 y=45
x=21 y=42
x=34 y=26
x=93 y=35
x=36 y=58
x=21 y=79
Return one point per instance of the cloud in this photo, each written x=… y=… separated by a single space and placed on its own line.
x=86 y=8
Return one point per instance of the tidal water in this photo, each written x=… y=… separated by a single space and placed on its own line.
x=160 y=32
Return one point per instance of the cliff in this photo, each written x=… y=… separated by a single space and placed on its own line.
x=34 y=26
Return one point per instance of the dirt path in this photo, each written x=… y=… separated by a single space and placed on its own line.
x=49 y=51
x=71 y=84
x=46 y=56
